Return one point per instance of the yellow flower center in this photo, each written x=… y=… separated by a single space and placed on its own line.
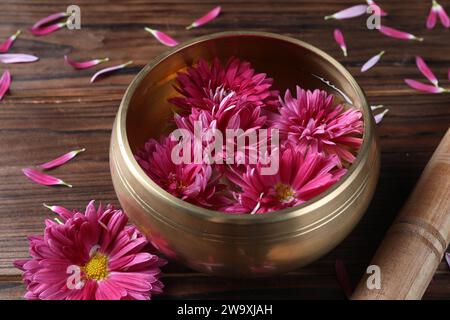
x=284 y=192
x=97 y=267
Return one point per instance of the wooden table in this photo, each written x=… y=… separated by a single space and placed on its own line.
x=52 y=108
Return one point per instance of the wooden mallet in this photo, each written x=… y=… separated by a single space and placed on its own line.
x=416 y=242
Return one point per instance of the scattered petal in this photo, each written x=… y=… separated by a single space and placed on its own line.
x=377 y=8
x=51 y=18
x=426 y=71
x=110 y=69
x=380 y=116
x=343 y=279
x=4 y=47
x=339 y=37
x=211 y=15
x=447 y=258
x=397 y=34
x=432 y=18
x=371 y=62
x=348 y=13
x=376 y=107
x=424 y=87
x=162 y=37
x=84 y=64
x=60 y=160
x=17 y=58
x=437 y=11
x=61 y=211
x=42 y=178
x=49 y=29
x=5 y=82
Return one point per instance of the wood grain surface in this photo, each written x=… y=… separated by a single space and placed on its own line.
x=51 y=109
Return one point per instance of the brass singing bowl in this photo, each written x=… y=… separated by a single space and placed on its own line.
x=238 y=245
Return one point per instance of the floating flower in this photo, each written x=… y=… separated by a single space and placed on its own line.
x=397 y=34
x=426 y=71
x=109 y=69
x=17 y=58
x=43 y=179
x=378 y=117
x=61 y=160
x=5 y=83
x=339 y=37
x=211 y=15
x=343 y=279
x=194 y=183
x=312 y=121
x=435 y=11
x=372 y=62
x=91 y=256
x=205 y=86
x=44 y=26
x=352 y=12
x=4 y=47
x=372 y=4
x=84 y=64
x=301 y=177
x=162 y=37
x=424 y=87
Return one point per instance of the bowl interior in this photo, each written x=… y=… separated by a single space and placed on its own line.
x=288 y=61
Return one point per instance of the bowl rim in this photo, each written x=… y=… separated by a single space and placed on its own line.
x=218 y=216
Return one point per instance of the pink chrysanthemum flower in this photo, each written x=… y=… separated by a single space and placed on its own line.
x=312 y=121
x=301 y=177
x=204 y=85
x=90 y=256
x=230 y=113
x=192 y=182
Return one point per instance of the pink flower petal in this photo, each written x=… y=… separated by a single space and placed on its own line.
x=4 y=47
x=84 y=64
x=348 y=13
x=431 y=19
x=17 y=58
x=48 y=19
x=48 y=29
x=371 y=62
x=60 y=160
x=211 y=15
x=42 y=178
x=426 y=71
x=376 y=107
x=109 y=69
x=424 y=87
x=5 y=82
x=339 y=37
x=447 y=258
x=377 y=7
x=397 y=34
x=445 y=20
x=343 y=279
x=61 y=211
x=380 y=116
x=162 y=37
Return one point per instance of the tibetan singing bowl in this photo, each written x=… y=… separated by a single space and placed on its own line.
x=238 y=245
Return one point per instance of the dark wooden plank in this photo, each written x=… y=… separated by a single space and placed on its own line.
x=52 y=108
